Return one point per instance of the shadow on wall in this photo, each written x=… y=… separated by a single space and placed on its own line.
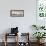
x=7 y=30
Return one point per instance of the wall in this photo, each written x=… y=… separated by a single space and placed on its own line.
x=24 y=23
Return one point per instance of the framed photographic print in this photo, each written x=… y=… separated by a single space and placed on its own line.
x=41 y=12
x=41 y=8
x=17 y=13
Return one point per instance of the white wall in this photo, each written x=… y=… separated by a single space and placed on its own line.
x=24 y=23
